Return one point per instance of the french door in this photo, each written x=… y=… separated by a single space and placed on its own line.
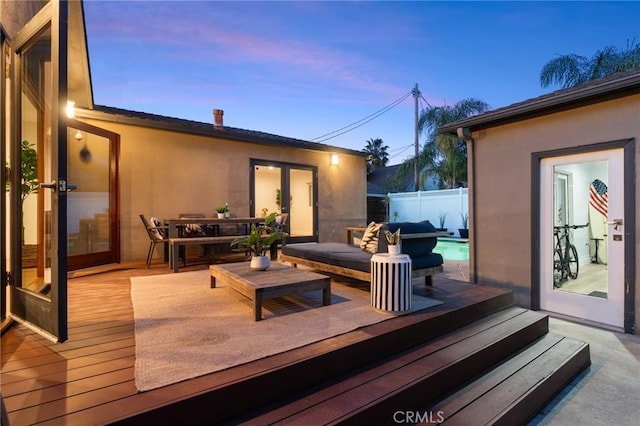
x=585 y=248
x=38 y=179
x=92 y=207
x=290 y=189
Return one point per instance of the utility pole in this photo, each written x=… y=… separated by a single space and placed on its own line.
x=416 y=93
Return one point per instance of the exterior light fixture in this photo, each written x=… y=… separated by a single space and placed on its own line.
x=71 y=109
x=334 y=159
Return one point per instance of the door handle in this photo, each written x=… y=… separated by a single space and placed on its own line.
x=616 y=223
x=52 y=185
x=61 y=186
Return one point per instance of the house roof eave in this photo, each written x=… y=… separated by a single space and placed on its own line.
x=612 y=87
x=118 y=115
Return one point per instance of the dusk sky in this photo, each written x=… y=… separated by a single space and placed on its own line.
x=305 y=69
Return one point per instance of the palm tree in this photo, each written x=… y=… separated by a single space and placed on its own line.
x=444 y=156
x=378 y=153
x=571 y=70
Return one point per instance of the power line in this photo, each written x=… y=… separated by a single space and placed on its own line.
x=399 y=151
x=400 y=148
x=425 y=101
x=360 y=122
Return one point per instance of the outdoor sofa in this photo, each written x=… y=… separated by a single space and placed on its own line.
x=352 y=260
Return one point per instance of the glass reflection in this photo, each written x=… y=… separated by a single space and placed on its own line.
x=579 y=257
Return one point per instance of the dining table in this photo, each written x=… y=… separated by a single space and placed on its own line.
x=176 y=224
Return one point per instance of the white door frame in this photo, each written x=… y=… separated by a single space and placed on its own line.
x=609 y=310
x=621 y=296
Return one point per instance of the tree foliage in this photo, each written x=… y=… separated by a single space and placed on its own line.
x=29 y=171
x=443 y=156
x=571 y=69
x=29 y=168
x=378 y=152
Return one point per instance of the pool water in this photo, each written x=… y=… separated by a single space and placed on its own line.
x=452 y=250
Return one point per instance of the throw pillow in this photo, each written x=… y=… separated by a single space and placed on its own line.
x=369 y=241
x=158 y=233
x=194 y=230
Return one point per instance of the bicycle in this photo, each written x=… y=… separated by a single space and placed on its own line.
x=565 y=259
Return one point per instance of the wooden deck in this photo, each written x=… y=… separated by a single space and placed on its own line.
x=90 y=378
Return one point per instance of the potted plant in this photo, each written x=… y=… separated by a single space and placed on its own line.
x=393 y=240
x=464 y=231
x=442 y=217
x=29 y=170
x=278 y=198
x=258 y=242
x=221 y=211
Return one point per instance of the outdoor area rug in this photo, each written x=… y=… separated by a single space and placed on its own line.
x=185 y=329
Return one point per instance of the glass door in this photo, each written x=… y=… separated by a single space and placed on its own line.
x=5 y=60
x=302 y=203
x=92 y=218
x=38 y=183
x=290 y=190
x=581 y=236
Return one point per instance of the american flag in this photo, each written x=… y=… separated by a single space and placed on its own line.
x=598 y=197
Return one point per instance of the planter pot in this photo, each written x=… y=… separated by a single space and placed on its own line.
x=464 y=232
x=260 y=263
x=220 y=215
x=393 y=250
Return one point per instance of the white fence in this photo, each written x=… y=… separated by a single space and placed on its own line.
x=450 y=204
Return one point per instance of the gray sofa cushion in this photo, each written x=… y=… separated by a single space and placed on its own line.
x=340 y=254
x=350 y=256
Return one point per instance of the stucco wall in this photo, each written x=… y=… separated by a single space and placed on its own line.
x=165 y=173
x=502 y=188
x=15 y=14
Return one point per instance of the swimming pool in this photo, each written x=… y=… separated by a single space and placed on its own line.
x=452 y=250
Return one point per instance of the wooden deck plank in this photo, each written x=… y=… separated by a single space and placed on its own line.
x=68 y=376
x=83 y=404
x=66 y=365
x=92 y=346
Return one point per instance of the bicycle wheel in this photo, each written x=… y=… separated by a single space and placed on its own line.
x=573 y=262
x=558 y=270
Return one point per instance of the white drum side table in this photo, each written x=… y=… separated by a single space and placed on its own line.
x=391 y=282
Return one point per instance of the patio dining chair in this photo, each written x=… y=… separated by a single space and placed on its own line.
x=281 y=220
x=281 y=225
x=157 y=233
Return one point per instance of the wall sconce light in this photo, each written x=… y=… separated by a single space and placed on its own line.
x=71 y=109
x=334 y=159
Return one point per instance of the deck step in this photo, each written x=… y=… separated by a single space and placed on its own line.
x=413 y=378
x=517 y=389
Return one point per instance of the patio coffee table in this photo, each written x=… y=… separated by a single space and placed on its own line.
x=277 y=281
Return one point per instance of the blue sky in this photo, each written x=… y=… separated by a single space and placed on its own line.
x=304 y=69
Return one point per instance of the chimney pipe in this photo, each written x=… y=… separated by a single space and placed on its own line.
x=217 y=118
